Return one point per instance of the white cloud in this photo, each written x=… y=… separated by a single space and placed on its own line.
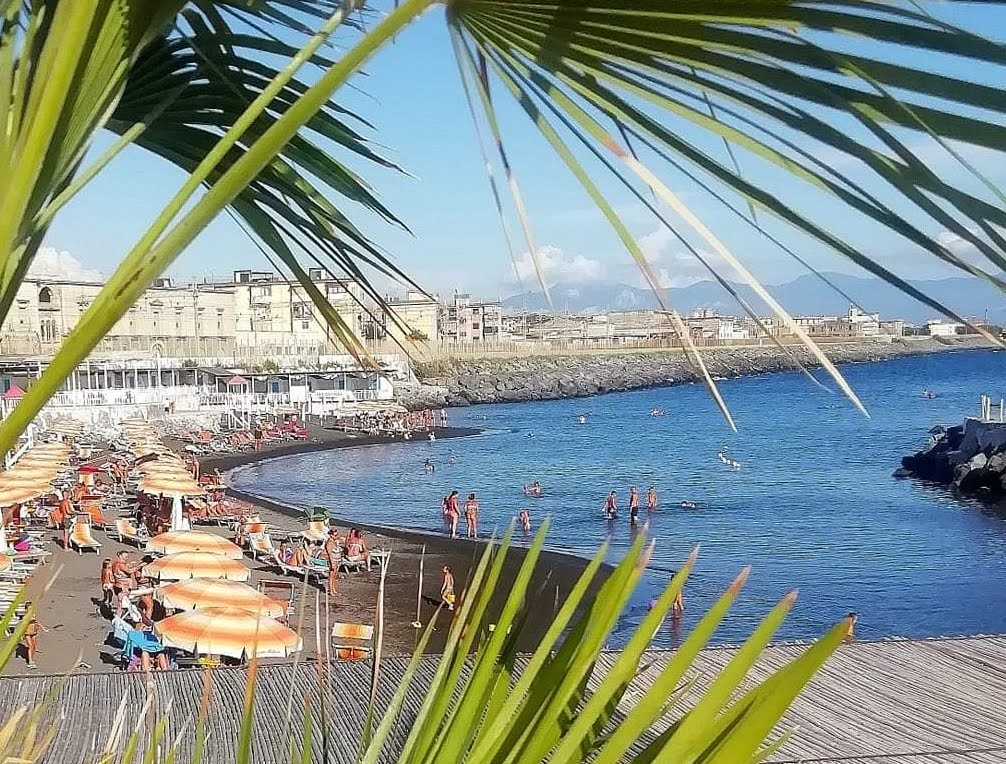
x=673 y=265
x=559 y=267
x=57 y=264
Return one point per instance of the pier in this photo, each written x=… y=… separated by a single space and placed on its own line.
x=936 y=701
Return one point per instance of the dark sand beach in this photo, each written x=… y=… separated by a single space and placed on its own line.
x=77 y=633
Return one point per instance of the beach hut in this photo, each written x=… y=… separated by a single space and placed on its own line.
x=185 y=565
x=237 y=384
x=201 y=593
x=228 y=631
x=175 y=542
x=15 y=393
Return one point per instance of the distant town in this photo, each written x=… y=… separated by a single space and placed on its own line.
x=260 y=312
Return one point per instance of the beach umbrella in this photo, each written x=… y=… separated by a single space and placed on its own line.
x=201 y=593
x=171 y=486
x=184 y=565
x=174 y=542
x=21 y=494
x=228 y=631
x=6 y=563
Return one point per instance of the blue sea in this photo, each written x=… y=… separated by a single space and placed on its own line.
x=813 y=507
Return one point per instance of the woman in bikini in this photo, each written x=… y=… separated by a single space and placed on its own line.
x=30 y=641
x=472 y=516
x=453 y=513
x=356 y=547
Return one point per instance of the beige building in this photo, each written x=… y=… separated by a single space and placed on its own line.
x=255 y=309
x=466 y=320
x=417 y=317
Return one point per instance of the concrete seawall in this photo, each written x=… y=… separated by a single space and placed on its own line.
x=472 y=381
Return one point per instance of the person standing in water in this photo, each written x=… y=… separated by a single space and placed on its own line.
x=453 y=513
x=524 y=518
x=472 y=516
x=611 y=506
x=651 y=499
x=633 y=504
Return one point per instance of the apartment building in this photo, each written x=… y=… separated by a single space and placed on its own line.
x=466 y=320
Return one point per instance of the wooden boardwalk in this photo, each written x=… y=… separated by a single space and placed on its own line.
x=937 y=701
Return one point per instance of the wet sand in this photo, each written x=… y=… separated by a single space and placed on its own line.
x=76 y=631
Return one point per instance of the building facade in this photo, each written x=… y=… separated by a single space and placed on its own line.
x=465 y=320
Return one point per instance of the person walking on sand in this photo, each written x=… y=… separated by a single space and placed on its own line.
x=472 y=516
x=453 y=513
x=332 y=554
x=447 y=588
x=611 y=506
x=633 y=504
x=651 y=499
x=30 y=641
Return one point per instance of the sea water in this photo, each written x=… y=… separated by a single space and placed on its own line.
x=813 y=506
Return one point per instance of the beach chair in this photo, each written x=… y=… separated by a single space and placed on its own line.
x=351 y=641
x=312 y=572
x=260 y=544
x=280 y=591
x=128 y=532
x=317 y=530
x=80 y=535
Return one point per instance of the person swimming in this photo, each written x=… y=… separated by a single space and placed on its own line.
x=656 y=412
x=533 y=490
x=429 y=467
x=731 y=463
x=582 y=419
x=651 y=499
x=688 y=505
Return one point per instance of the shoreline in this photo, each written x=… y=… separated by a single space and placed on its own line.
x=555 y=573
x=467 y=382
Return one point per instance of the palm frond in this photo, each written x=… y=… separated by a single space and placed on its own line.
x=777 y=82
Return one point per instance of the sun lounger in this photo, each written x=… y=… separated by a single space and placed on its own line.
x=260 y=544
x=317 y=530
x=80 y=535
x=351 y=641
x=128 y=532
x=311 y=572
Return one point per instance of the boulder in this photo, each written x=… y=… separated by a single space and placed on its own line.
x=901 y=472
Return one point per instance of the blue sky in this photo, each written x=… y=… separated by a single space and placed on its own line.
x=412 y=95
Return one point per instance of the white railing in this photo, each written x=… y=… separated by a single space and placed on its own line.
x=130 y=396
x=992 y=411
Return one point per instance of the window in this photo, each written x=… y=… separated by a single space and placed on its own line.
x=45 y=295
x=305 y=324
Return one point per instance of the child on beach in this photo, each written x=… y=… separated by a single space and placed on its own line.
x=107 y=582
x=447 y=588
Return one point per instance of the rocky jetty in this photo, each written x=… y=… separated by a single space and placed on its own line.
x=971 y=458
x=462 y=382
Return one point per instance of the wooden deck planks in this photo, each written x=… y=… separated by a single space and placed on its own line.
x=890 y=702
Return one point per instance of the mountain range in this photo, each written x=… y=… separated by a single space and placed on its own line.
x=806 y=295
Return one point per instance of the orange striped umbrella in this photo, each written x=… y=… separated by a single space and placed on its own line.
x=177 y=567
x=174 y=542
x=170 y=486
x=201 y=593
x=228 y=631
x=19 y=494
x=5 y=562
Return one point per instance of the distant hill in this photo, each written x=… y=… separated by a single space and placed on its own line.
x=806 y=295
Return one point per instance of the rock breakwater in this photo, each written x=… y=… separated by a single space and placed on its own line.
x=462 y=382
x=971 y=458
